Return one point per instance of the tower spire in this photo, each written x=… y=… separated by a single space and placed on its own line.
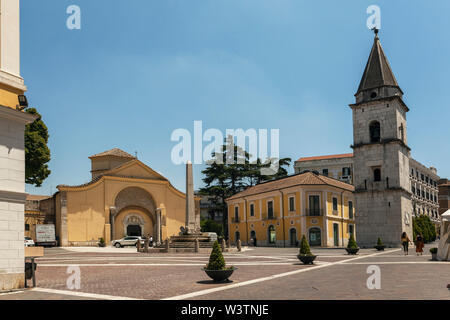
x=378 y=72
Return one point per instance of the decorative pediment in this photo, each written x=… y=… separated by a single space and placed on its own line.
x=135 y=169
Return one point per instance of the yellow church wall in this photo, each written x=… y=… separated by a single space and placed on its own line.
x=85 y=215
x=9 y=96
x=174 y=215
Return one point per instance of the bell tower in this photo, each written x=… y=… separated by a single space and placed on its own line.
x=381 y=155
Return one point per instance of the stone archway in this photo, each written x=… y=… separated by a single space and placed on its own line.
x=133 y=221
x=134 y=206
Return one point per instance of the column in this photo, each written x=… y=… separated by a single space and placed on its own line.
x=158 y=226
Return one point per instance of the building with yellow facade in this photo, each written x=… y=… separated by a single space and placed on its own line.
x=279 y=212
x=124 y=197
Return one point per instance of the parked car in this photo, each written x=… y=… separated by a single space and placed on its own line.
x=29 y=242
x=127 y=241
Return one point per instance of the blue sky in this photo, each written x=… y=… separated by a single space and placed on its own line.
x=137 y=70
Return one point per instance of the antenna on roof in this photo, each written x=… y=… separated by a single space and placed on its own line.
x=135 y=154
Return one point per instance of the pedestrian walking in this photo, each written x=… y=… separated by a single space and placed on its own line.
x=419 y=244
x=151 y=241
x=405 y=243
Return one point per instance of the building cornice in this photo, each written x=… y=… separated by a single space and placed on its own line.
x=376 y=101
x=384 y=141
x=12 y=81
x=11 y=196
x=16 y=115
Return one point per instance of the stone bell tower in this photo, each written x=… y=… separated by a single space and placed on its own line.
x=381 y=155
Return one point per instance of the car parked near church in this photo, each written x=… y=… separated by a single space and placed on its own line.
x=127 y=241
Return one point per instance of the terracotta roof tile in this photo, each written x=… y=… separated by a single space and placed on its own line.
x=116 y=152
x=35 y=197
x=333 y=156
x=306 y=179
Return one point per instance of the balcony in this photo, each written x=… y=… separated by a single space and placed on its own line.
x=310 y=212
x=267 y=216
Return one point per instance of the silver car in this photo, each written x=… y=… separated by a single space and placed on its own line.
x=127 y=241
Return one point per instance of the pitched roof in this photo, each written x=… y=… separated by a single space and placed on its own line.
x=116 y=152
x=378 y=72
x=305 y=179
x=333 y=156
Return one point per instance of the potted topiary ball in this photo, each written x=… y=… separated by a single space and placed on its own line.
x=305 y=254
x=216 y=268
x=433 y=252
x=352 y=247
x=380 y=246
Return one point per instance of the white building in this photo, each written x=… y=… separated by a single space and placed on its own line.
x=12 y=155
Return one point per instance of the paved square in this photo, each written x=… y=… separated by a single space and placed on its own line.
x=263 y=273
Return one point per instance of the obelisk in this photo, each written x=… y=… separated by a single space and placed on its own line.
x=190 y=201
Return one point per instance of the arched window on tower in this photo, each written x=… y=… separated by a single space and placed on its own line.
x=375 y=131
x=377 y=174
x=402 y=132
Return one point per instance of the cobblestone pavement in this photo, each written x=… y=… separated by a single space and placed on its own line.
x=263 y=273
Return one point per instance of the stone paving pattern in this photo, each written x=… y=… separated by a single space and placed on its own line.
x=402 y=277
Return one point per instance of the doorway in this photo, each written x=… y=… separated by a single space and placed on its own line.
x=315 y=238
x=336 y=234
x=134 y=230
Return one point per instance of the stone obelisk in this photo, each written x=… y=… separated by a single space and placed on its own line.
x=190 y=201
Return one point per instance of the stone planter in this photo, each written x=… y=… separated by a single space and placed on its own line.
x=380 y=248
x=307 y=259
x=434 y=257
x=352 y=251
x=219 y=275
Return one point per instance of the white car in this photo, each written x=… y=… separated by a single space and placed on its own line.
x=29 y=242
x=127 y=241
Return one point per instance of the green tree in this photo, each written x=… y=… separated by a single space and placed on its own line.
x=352 y=243
x=216 y=260
x=304 y=247
x=230 y=171
x=37 y=153
x=208 y=225
x=424 y=226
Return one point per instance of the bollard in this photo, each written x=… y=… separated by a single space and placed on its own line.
x=239 y=245
x=138 y=245
x=146 y=243
x=197 y=245
x=167 y=244
x=223 y=245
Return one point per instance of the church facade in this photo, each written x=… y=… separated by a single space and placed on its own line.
x=124 y=197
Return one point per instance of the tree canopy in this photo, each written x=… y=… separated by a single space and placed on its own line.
x=224 y=178
x=37 y=153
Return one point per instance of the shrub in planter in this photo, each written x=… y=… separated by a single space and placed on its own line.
x=101 y=242
x=305 y=254
x=433 y=252
x=380 y=246
x=352 y=247
x=216 y=268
